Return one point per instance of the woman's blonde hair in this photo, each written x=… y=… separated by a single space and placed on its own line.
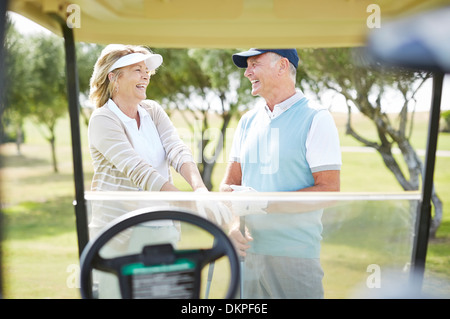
x=101 y=88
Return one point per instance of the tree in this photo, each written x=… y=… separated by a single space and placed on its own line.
x=87 y=54
x=48 y=84
x=343 y=70
x=201 y=84
x=18 y=91
x=230 y=89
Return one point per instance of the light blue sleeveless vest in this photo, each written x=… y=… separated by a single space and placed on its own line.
x=273 y=158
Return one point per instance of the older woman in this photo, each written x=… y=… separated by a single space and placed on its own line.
x=132 y=140
x=132 y=144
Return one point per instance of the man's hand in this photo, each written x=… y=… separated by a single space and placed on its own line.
x=240 y=242
x=242 y=208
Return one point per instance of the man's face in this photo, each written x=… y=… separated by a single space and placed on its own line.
x=261 y=71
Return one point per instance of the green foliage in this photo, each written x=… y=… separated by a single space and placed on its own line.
x=48 y=83
x=203 y=83
x=177 y=80
x=369 y=89
x=194 y=78
x=87 y=54
x=445 y=116
x=35 y=69
x=227 y=81
x=17 y=91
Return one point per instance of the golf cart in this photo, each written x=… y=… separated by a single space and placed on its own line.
x=232 y=24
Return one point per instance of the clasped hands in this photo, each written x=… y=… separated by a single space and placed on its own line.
x=240 y=208
x=249 y=207
x=223 y=213
x=219 y=210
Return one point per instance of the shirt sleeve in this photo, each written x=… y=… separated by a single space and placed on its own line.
x=323 y=150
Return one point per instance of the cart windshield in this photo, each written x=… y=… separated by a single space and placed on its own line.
x=312 y=245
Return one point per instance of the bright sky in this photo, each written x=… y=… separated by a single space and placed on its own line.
x=336 y=102
x=25 y=25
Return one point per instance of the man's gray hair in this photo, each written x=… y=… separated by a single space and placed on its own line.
x=292 y=70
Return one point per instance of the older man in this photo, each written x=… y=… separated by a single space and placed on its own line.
x=285 y=145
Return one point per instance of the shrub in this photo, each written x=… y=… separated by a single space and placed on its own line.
x=445 y=123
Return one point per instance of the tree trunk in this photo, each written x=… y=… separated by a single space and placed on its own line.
x=53 y=147
x=19 y=140
x=437 y=218
x=207 y=173
x=207 y=164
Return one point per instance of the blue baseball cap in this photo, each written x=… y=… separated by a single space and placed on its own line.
x=240 y=59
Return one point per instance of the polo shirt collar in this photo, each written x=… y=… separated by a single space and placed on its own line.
x=122 y=116
x=279 y=108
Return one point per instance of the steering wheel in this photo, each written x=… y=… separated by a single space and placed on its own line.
x=157 y=260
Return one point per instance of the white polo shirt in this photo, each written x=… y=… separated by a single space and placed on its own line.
x=145 y=139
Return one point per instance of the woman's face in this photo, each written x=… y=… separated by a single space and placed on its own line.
x=133 y=81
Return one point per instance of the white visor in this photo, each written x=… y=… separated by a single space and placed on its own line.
x=152 y=61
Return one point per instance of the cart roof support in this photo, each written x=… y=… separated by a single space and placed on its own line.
x=74 y=112
x=423 y=221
